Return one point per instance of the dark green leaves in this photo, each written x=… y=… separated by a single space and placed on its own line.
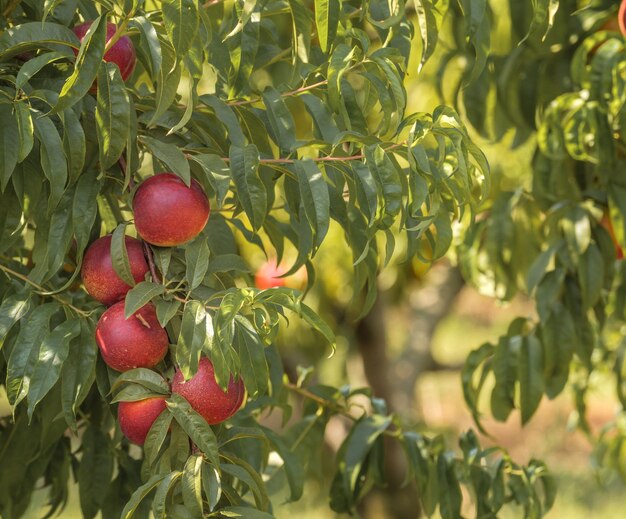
x=9 y=143
x=314 y=196
x=112 y=114
x=141 y=294
x=46 y=370
x=119 y=255
x=251 y=192
x=326 y=21
x=171 y=156
x=95 y=470
x=195 y=426
x=193 y=337
x=87 y=64
x=181 y=21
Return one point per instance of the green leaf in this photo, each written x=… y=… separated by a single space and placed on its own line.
x=156 y=437
x=88 y=61
x=33 y=330
x=196 y=427
x=280 y=119
x=145 y=377
x=84 y=210
x=151 y=39
x=26 y=129
x=141 y=294
x=244 y=164
x=32 y=66
x=530 y=371
x=95 y=470
x=181 y=22
x=327 y=20
x=164 y=489
x=192 y=485
x=292 y=465
x=47 y=368
x=139 y=495
x=245 y=473
x=591 y=275
x=12 y=309
x=171 y=156
x=192 y=338
x=227 y=263
x=168 y=79
x=9 y=144
x=53 y=161
x=35 y=35
x=79 y=371
x=315 y=198
x=227 y=117
x=212 y=485
x=254 y=370
x=119 y=255
x=112 y=114
x=197 y=260
x=359 y=444
x=166 y=310
x=217 y=173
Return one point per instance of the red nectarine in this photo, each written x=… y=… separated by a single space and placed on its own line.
x=268 y=276
x=136 y=418
x=136 y=342
x=100 y=279
x=167 y=212
x=205 y=395
x=122 y=53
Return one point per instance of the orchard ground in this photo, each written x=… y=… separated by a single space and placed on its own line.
x=475 y=319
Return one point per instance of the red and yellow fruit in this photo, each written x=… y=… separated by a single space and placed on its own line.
x=268 y=276
x=136 y=342
x=206 y=396
x=136 y=418
x=167 y=212
x=100 y=279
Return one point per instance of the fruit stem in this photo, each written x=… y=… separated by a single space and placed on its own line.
x=151 y=263
x=24 y=278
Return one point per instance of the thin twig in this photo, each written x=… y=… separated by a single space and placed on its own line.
x=360 y=156
x=24 y=278
x=291 y=93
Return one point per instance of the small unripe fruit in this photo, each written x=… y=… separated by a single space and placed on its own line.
x=268 y=276
x=167 y=212
x=136 y=418
x=122 y=53
x=206 y=396
x=136 y=342
x=99 y=277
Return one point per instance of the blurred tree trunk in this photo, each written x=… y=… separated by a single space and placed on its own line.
x=395 y=380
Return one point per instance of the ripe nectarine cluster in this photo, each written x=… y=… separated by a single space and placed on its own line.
x=167 y=213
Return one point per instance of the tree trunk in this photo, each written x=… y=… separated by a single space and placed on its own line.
x=395 y=380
